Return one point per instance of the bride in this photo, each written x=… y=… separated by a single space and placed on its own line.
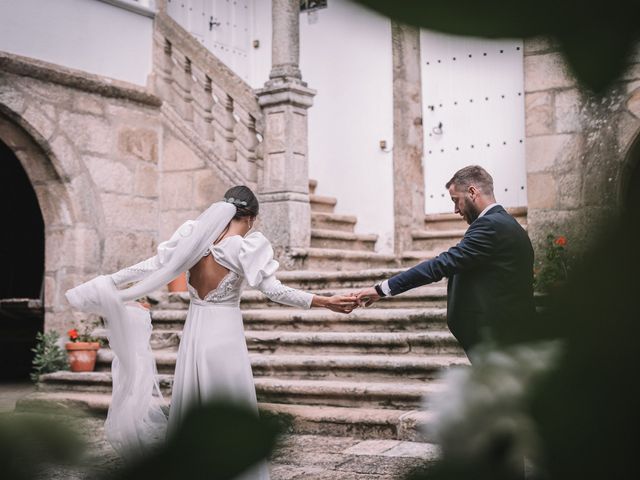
x=220 y=258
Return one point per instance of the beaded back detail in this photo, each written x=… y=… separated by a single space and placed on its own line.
x=228 y=290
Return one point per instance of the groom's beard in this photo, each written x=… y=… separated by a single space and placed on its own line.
x=470 y=212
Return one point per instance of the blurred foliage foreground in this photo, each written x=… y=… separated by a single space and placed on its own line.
x=216 y=441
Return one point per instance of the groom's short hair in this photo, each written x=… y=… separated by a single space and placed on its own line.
x=472 y=175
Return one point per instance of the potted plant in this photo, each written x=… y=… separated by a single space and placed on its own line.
x=82 y=350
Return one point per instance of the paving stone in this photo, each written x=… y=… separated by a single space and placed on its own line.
x=372 y=447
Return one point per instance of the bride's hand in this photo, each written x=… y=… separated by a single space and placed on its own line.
x=339 y=303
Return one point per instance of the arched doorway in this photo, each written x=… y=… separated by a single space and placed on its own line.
x=22 y=267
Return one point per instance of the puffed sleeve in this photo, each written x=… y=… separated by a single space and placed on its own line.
x=141 y=270
x=259 y=268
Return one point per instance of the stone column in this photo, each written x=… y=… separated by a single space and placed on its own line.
x=408 y=135
x=285 y=98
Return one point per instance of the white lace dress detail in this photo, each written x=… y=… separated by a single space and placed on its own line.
x=226 y=291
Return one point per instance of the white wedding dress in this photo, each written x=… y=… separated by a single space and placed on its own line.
x=213 y=360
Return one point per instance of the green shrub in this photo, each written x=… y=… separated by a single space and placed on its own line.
x=49 y=357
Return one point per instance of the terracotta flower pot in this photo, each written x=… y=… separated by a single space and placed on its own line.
x=178 y=284
x=82 y=355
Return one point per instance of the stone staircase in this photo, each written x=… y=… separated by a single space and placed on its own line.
x=334 y=244
x=359 y=375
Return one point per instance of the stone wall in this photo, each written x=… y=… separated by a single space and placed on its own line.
x=112 y=175
x=576 y=145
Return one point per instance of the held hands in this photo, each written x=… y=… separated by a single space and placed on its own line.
x=341 y=303
x=367 y=297
x=348 y=303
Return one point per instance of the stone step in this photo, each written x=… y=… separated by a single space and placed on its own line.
x=362 y=367
x=436 y=240
x=285 y=342
x=376 y=423
x=324 y=259
x=301 y=419
x=428 y=296
x=453 y=221
x=339 y=393
x=412 y=258
x=333 y=221
x=321 y=279
x=402 y=343
x=360 y=320
x=321 y=203
x=333 y=239
x=408 y=394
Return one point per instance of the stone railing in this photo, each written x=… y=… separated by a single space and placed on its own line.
x=220 y=106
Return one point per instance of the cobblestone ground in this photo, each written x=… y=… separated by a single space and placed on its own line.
x=297 y=456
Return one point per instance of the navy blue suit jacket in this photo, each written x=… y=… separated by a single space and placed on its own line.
x=490 y=288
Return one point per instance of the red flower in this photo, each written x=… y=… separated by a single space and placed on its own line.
x=561 y=241
x=73 y=334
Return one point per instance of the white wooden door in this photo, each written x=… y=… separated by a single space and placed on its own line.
x=229 y=36
x=473 y=113
x=222 y=26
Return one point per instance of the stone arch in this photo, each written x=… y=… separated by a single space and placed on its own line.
x=71 y=212
x=628 y=185
x=629 y=181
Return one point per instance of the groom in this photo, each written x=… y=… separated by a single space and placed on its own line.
x=490 y=272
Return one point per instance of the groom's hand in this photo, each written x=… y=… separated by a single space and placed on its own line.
x=367 y=297
x=341 y=303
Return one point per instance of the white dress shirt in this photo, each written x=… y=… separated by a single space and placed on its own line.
x=385 y=285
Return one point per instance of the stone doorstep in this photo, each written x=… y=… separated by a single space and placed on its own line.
x=339 y=421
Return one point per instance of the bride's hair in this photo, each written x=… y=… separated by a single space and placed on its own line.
x=244 y=200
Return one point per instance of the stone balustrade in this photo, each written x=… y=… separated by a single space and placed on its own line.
x=206 y=94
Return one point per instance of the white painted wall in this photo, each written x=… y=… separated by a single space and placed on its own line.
x=95 y=36
x=346 y=56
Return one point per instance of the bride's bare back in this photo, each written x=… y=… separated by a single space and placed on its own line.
x=206 y=275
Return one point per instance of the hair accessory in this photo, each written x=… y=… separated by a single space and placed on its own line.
x=235 y=201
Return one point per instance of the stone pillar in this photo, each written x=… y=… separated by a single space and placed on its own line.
x=284 y=187
x=408 y=135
